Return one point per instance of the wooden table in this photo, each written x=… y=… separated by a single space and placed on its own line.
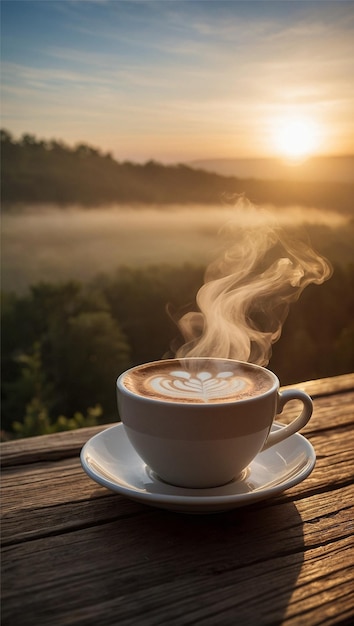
x=76 y=553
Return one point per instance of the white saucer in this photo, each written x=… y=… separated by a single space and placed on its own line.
x=110 y=460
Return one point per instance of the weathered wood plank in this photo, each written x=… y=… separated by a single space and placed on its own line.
x=324 y=589
x=260 y=564
x=329 y=413
x=332 y=412
x=46 y=447
x=38 y=498
x=65 y=444
x=325 y=386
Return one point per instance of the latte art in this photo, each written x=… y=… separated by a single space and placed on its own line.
x=197 y=380
x=202 y=386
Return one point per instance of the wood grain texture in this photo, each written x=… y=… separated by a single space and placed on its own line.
x=32 y=495
x=262 y=563
x=326 y=386
x=46 y=447
x=75 y=553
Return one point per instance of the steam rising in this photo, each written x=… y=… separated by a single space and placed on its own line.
x=247 y=292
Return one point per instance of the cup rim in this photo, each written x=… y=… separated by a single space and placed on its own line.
x=123 y=389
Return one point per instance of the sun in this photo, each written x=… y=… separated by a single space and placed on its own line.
x=296 y=137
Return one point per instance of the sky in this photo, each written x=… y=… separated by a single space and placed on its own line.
x=177 y=80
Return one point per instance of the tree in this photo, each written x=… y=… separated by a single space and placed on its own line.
x=84 y=354
x=62 y=351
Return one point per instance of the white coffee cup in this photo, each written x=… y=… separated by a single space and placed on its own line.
x=199 y=422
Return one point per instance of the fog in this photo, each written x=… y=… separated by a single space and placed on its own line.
x=58 y=244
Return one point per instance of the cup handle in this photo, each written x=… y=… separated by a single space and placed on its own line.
x=298 y=423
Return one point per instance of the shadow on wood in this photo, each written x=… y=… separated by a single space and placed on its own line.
x=236 y=567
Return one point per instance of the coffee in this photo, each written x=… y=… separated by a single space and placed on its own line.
x=197 y=381
x=199 y=422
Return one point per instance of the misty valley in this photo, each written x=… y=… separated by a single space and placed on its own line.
x=52 y=244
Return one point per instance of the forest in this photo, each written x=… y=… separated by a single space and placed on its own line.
x=65 y=342
x=50 y=171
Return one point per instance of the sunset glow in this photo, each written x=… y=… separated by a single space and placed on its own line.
x=180 y=81
x=297 y=137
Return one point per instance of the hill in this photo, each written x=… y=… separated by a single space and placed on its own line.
x=316 y=169
x=37 y=171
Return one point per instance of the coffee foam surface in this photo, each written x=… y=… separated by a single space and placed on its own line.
x=197 y=382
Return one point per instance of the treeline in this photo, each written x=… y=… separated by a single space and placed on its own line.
x=63 y=345
x=37 y=171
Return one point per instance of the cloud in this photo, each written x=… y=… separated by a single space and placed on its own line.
x=215 y=70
